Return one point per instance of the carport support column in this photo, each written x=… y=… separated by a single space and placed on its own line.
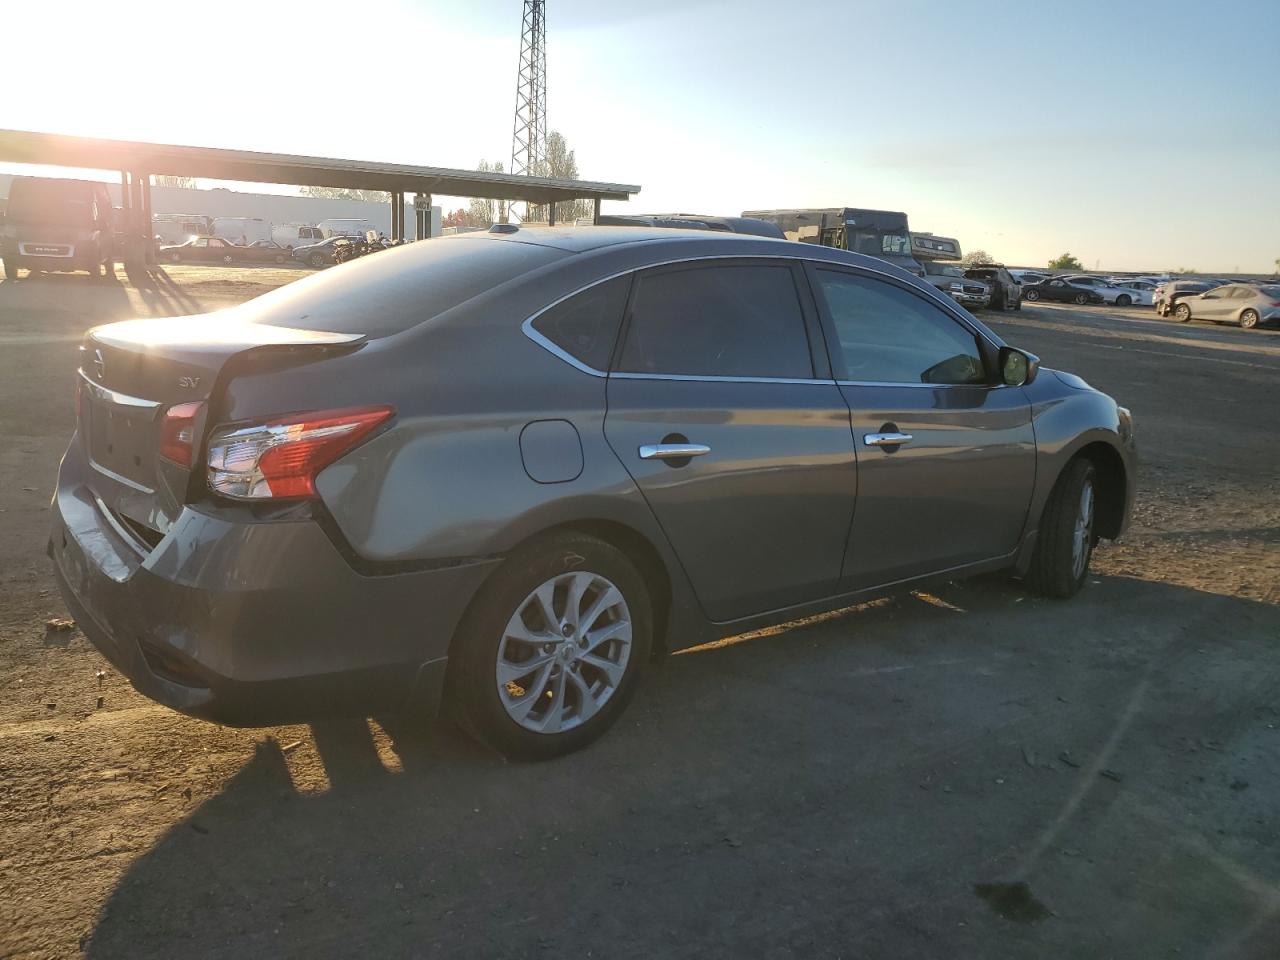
x=595 y=211
x=422 y=218
x=149 y=245
x=135 y=250
x=551 y=213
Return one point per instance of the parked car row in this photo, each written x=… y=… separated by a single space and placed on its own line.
x=218 y=250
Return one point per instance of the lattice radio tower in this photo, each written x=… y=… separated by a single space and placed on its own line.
x=529 y=134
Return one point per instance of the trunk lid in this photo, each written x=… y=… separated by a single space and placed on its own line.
x=132 y=372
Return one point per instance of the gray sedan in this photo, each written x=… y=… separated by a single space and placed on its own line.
x=1242 y=303
x=499 y=473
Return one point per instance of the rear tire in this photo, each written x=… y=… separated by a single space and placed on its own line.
x=1064 y=546
x=279 y=258
x=1249 y=319
x=175 y=258
x=316 y=260
x=228 y=259
x=11 y=270
x=1018 y=304
x=562 y=680
x=1080 y=299
x=1124 y=300
x=1182 y=313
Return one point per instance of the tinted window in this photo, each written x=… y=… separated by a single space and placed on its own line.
x=586 y=325
x=889 y=335
x=730 y=321
x=398 y=289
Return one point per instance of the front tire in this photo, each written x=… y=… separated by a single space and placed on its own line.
x=1249 y=319
x=1124 y=300
x=1032 y=295
x=11 y=270
x=1182 y=313
x=552 y=648
x=317 y=260
x=1080 y=299
x=1064 y=546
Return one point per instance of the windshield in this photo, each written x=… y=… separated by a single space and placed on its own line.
x=59 y=203
x=877 y=244
x=934 y=269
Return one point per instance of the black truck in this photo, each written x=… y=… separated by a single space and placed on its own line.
x=884 y=234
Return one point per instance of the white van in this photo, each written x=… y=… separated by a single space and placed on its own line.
x=241 y=230
x=179 y=227
x=290 y=235
x=339 y=227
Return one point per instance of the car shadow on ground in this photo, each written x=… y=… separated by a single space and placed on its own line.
x=967 y=772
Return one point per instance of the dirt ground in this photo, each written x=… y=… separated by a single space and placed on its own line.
x=969 y=773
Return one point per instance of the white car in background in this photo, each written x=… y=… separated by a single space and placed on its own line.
x=1109 y=292
x=1028 y=277
x=1143 y=291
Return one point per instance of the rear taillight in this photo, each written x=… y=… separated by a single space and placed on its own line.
x=178 y=433
x=280 y=458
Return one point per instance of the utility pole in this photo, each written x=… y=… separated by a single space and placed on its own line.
x=529 y=132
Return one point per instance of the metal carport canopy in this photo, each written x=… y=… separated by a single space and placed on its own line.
x=216 y=163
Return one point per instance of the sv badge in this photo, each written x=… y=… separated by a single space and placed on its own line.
x=189 y=383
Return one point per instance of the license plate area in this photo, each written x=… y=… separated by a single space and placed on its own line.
x=123 y=442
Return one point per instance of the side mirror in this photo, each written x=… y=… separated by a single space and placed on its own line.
x=1017 y=367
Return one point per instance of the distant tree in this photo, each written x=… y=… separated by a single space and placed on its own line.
x=346 y=193
x=976 y=258
x=562 y=165
x=171 y=181
x=1277 y=264
x=1065 y=262
x=1186 y=270
x=483 y=212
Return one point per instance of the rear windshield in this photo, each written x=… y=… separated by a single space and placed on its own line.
x=60 y=203
x=390 y=291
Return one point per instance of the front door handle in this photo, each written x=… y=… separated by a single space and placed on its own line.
x=672 y=451
x=886 y=439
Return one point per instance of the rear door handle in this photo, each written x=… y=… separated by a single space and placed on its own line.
x=672 y=451
x=886 y=439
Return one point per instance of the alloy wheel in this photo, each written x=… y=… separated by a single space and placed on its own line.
x=1249 y=319
x=1083 y=533
x=564 y=652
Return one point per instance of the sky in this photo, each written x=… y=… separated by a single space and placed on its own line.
x=1142 y=134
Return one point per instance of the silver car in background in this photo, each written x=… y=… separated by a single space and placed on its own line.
x=496 y=473
x=1245 y=304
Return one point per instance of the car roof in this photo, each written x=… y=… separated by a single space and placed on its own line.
x=584 y=239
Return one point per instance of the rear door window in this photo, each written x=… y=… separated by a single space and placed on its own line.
x=585 y=326
x=717 y=321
